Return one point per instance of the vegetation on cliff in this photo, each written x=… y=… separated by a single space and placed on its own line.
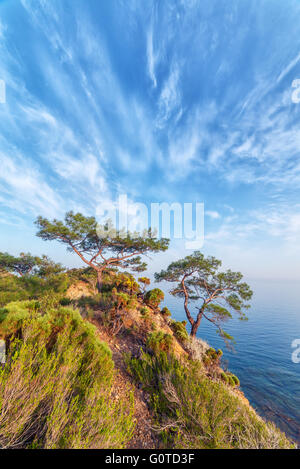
x=56 y=385
x=111 y=369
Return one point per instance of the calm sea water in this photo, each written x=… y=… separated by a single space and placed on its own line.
x=262 y=356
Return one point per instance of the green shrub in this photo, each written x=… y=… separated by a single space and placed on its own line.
x=144 y=312
x=192 y=411
x=159 y=341
x=145 y=281
x=166 y=312
x=180 y=331
x=11 y=289
x=125 y=282
x=88 y=275
x=55 y=386
x=233 y=380
x=65 y=301
x=49 y=291
x=154 y=297
x=230 y=380
x=236 y=380
x=211 y=359
x=91 y=301
x=124 y=301
x=224 y=377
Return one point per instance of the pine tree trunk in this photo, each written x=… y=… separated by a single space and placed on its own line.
x=196 y=324
x=194 y=329
x=99 y=280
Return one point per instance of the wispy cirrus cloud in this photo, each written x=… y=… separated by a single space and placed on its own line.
x=276 y=222
x=169 y=102
x=151 y=57
x=24 y=189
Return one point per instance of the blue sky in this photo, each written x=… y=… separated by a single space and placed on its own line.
x=165 y=101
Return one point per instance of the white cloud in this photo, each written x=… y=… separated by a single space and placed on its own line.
x=24 y=188
x=288 y=68
x=212 y=214
x=170 y=99
x=2 y=30
x=275 y=221
x=151 y=58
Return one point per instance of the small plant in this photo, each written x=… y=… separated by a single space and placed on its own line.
x=89 y=301
x=233 y=380
x=144 y=312
x=159 y=341
x=165 y=312
x=145 y=281
x=123 y=301
x=65 y=301
x=211 y=360
x=230 y=378
x=197 y=348
x=126 y=282
x=214 y=355
x=224 y=377
x=180 y=331
x=154 y=297
x=236 y=380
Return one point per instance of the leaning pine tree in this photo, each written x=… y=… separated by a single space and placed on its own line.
x=24 y=264
x=216 y=294
x=100 y=247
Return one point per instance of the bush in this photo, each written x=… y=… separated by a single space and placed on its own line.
x=180 y=331
x=145 y=281
x=65 y=301
x=147 y=317
x=124 y=301
x=224 y=377
x=211 y=359
x=55 y=386
x=166 y=312
x=154 y=297
x=11 y=289
x=49 y=291
x=159 y=341
x=192 y=411
x=233 y=380
x=144 y=312
x=236 y=380
x=125 y=282
x=87 y=274
x=230 y=380
x=92 y=301
x=197 y=348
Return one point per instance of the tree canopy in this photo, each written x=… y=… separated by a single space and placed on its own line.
x=216 y=294
x=27 y=264
x=100 y=246
x=24 y=264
